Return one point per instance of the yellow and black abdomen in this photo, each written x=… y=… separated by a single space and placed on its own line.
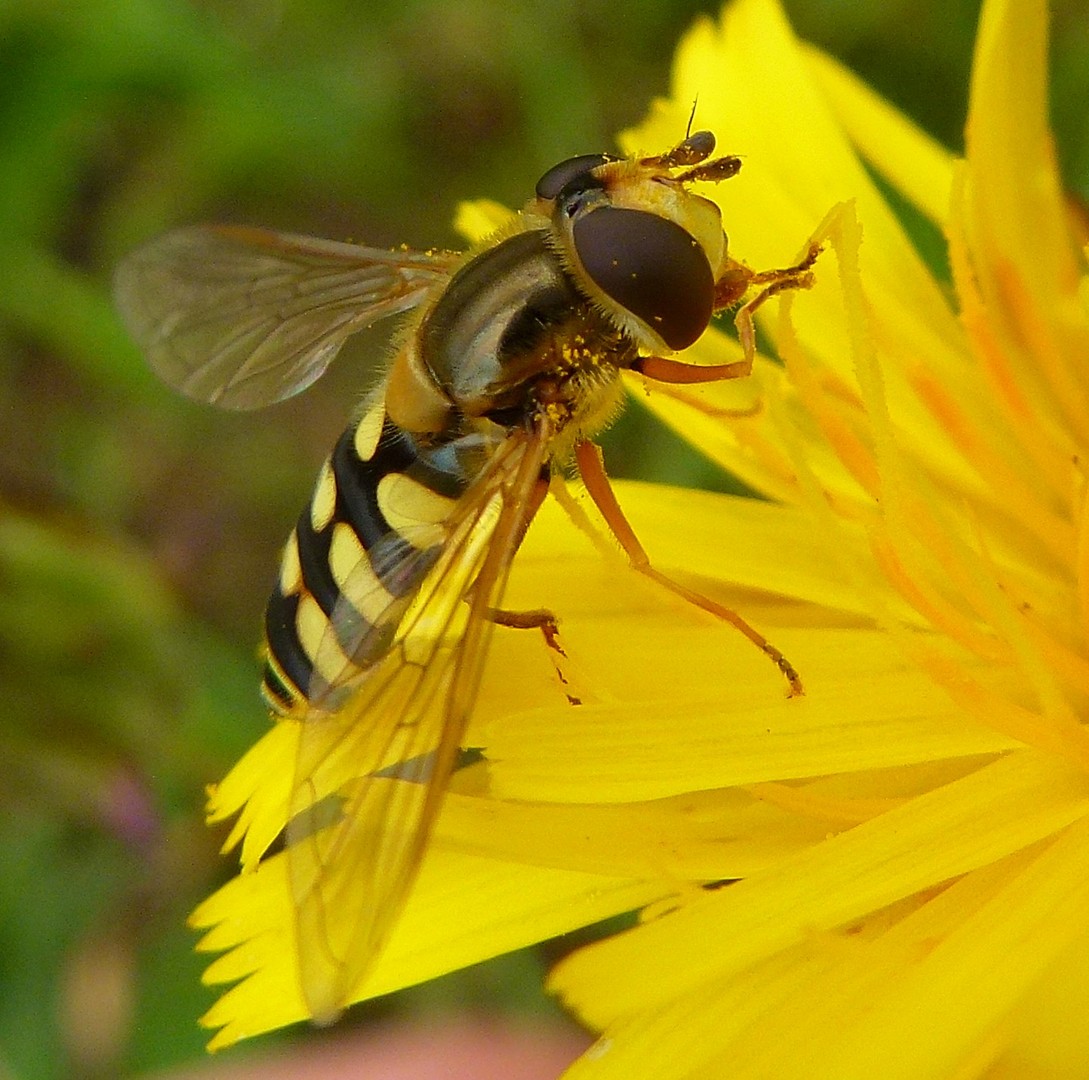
x=359 y=551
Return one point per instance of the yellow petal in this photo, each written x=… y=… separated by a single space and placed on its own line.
x=463 y=909
x=259 y=786
x=915 y=164
x=677 y=741
x=1046 y=1034
x=1026 y=261
x=738 y=424
x=956 y=991
x=698 y=836
x=479 y=218
x=925 y=967
x=969 y=823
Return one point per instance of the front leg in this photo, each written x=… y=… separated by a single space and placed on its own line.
x=535 y=619
x=739 y=279
x=663 y=369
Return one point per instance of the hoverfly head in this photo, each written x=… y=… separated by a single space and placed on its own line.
x=637 y=242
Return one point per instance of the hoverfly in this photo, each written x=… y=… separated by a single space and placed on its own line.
x=376 y=631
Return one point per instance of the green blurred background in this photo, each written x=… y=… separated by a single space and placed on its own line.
x=138 y=532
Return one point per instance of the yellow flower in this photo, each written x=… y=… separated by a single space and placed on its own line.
x=908 y=843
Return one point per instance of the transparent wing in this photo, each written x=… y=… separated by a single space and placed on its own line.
x=371 y=773
x=244 y=317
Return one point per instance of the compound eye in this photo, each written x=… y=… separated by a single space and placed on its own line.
x=650 y=266
x=559 y=176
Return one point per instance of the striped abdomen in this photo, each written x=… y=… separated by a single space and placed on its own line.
x=373 y=529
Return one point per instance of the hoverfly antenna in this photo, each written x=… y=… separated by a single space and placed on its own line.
x=713 y=171
x=696 y=147
x=691 y=117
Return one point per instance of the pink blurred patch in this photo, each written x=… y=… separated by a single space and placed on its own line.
x=479 y=1050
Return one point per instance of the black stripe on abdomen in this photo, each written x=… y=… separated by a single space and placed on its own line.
x=290 y=673
x=288 y=669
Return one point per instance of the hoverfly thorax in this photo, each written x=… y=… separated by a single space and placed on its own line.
x=642 y=246
x=494 y=328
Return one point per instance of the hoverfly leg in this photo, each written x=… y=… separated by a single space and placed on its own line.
x=737 y=281
x=665 y=370
x=798 y=276
x=592 y=469
x=536 y=618
x=795 y=275
x=668 y=373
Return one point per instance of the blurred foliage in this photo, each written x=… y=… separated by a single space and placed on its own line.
x=139 y=533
